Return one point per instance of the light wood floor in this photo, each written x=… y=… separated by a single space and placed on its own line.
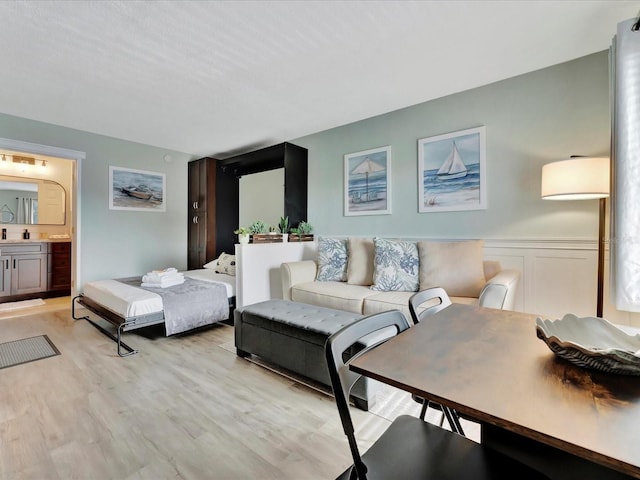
x=184 y=407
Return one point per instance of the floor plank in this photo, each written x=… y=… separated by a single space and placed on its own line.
x=184 y=407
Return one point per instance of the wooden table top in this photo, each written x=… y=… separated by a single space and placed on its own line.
x=490 y=365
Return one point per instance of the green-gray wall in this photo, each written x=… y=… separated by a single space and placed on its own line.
x=116 y=243
x=530 y=120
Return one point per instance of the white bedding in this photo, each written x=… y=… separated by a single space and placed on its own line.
x=128 y=301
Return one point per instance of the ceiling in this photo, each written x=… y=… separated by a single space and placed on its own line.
x=221 y=78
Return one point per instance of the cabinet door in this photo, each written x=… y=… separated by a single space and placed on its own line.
x=197 y=189
x=28 y=273
x=59 y=266
x=196 y=256
x=5 y=277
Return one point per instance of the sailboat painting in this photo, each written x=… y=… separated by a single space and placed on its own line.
x=367 y=182
x=451 y=171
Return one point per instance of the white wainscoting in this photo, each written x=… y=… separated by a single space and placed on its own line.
x=557 y=276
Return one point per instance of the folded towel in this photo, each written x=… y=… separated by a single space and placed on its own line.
x=164 y=272
x=164 y=283
x=153 y=277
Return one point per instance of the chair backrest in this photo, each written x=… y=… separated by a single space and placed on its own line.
x=377 y=329
x=429 y=295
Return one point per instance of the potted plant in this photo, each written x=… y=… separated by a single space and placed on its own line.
x=262 y=233
x=302 y=233
x=283 y=226
x=243 y=235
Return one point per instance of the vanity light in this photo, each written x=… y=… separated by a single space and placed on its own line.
x=44 y=164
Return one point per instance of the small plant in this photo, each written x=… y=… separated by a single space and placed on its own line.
x=283 y=226
x=273 y=230
x=304 y=228
x=258 y=227
x=242 y=231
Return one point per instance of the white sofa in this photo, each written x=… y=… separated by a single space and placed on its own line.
x=497 y=290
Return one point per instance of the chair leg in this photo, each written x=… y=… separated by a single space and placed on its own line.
x=453 y=419
x=423 y=412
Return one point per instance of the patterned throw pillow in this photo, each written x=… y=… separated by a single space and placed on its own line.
x=226 y=264
x=332 y=260
x=396 y=266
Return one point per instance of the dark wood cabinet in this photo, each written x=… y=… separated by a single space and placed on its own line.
x=201 y=212
x=214 y=190
x=59 y=268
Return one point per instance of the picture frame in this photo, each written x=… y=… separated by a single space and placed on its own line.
x=452 y=171
x=138 y=190
x=367 y=182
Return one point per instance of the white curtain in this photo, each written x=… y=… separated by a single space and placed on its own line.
x=27 y=211
x=625 y=153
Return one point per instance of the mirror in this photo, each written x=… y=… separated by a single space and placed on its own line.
x=261 y=197
x=31 y=201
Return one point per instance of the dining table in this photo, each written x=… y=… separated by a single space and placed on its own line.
x=490 y=366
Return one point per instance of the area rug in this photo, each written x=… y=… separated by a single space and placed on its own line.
x=10 y=306
x=26 y=350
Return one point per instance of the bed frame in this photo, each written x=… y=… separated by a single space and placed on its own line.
x=123 y=324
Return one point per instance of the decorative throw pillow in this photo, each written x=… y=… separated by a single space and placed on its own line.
x=361 y=256
x=396 y=266
x=332 y=260
x=212 y=264
x=226 y=264
x=458 y=267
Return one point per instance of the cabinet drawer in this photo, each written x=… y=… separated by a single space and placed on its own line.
x=22 y=248
x=60 y=248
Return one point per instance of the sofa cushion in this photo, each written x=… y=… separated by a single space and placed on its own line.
x=395 y=266
x=455 y=266
x=361 y=257
x=385 y=301
x=332 y=260
x=338 y=295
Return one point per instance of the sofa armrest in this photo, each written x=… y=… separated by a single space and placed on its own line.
x=293 y=273
x=500 y=291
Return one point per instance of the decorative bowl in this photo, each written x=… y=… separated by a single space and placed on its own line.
x=592 y=342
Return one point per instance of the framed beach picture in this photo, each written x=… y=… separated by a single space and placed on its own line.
x=136 y=190
x=451 y=171
x=367 y=182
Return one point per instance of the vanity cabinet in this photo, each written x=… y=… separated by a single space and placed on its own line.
x=24 y=268
x=59 y=268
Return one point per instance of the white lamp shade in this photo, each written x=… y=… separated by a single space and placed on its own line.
x=579 y=178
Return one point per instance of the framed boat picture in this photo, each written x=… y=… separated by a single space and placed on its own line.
x=451 y=171
x=367 y=182
x=136 y=190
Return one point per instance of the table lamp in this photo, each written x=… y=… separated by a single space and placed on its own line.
x=581 y=178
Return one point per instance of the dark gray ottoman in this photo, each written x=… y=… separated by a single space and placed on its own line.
x=292 y=335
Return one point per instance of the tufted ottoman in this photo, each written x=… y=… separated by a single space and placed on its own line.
x=292 y=335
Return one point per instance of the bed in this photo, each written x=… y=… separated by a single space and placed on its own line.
x=208 y=297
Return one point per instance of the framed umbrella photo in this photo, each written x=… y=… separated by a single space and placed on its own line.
x=367 y=182
x=451 y=171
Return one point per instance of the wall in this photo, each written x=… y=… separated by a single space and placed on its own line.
x=115 y=243
x=530 y=120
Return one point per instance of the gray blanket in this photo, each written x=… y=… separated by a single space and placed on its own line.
x=189 y=305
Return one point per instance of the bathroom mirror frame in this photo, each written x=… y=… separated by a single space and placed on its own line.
x=9 y=203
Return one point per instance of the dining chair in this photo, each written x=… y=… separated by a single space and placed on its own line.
x=422 y=304
x=409 y=448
